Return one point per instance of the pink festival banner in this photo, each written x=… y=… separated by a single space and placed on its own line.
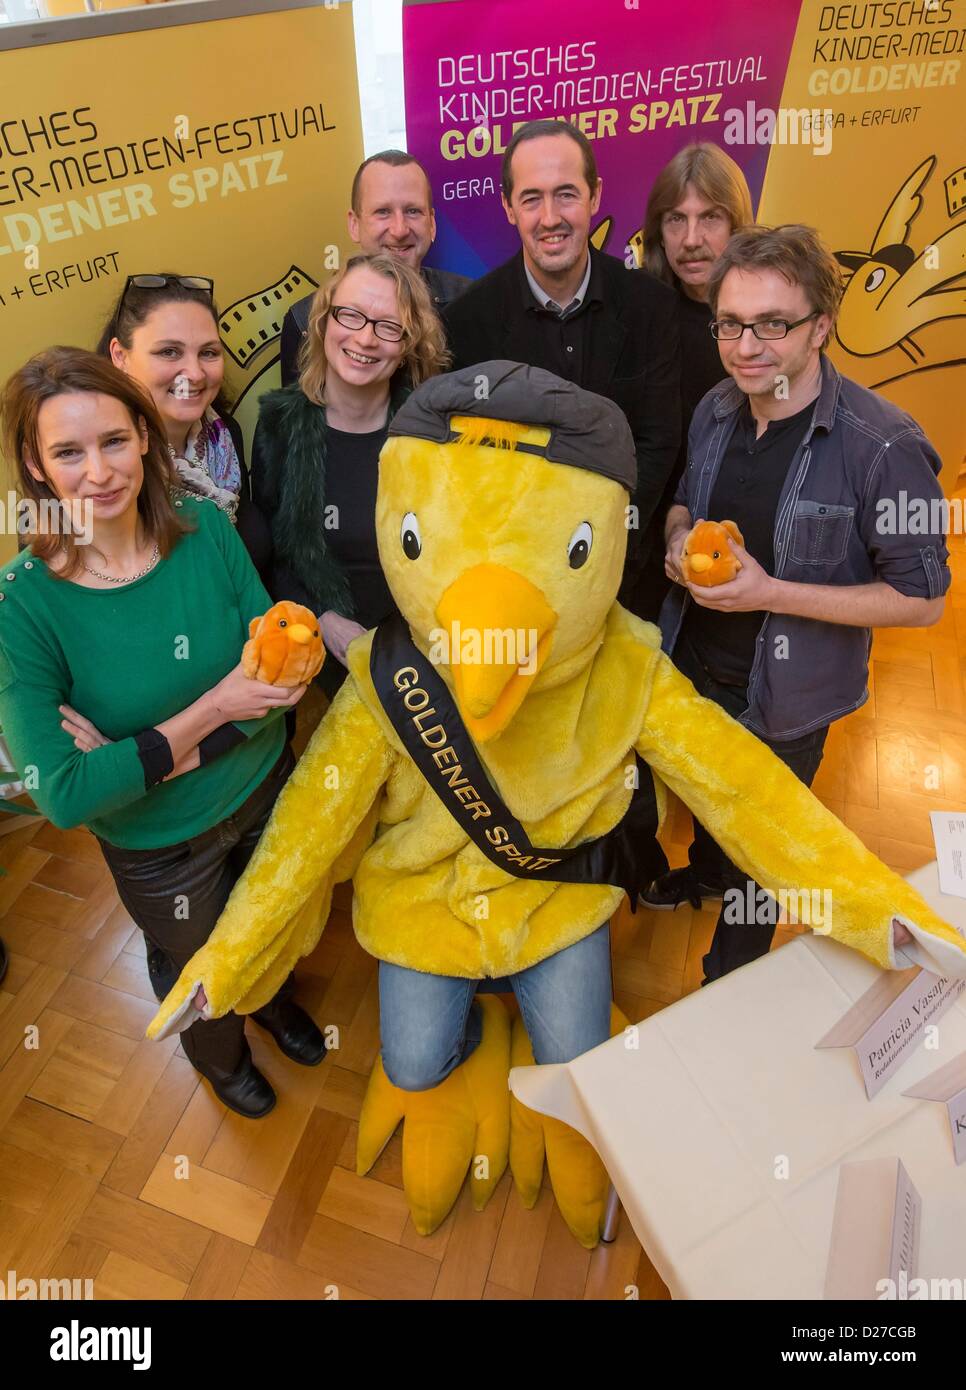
x=639 y=80
x=848 y=117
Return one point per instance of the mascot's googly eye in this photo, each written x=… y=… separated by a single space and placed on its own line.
x=412 y=541
x=282 y=622
x=578 y=549
x=875 y=279
x=716 y=555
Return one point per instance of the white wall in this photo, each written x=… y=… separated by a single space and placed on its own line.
x=25 y=10
x=378 y=26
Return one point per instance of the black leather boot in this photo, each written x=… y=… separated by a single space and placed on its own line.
x=293 y=1030
x=245 y=1091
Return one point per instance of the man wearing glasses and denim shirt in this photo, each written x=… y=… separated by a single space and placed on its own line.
x=812 y=468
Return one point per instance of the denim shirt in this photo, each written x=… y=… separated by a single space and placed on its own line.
x=851 y=512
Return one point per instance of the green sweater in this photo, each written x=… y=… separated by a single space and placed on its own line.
x=129 y=658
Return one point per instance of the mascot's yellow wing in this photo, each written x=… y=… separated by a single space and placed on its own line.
x=317 y=832
x=781 y=835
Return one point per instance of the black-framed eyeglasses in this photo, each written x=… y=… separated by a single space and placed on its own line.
x=387 y=329
x=730 y=330
x=158 y=282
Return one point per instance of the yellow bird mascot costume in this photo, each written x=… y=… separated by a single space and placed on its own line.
x=478 y=777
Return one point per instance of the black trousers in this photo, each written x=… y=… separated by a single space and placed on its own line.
x=176 y=895
x=738 y=942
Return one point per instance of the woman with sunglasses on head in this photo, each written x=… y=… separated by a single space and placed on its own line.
x=164 y=333
x=121 y=631
x=372 y=336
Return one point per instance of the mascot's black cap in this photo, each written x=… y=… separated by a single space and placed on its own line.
x=586 y=430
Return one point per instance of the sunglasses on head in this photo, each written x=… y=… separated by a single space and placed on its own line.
x=158 y=282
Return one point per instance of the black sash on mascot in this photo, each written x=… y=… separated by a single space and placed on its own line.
x=424 y=715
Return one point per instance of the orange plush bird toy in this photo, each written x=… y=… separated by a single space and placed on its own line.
x=284 y=646
x=707 y=559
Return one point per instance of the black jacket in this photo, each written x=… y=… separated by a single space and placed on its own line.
x=700 y=370
x=632 y=357
x=444 y=286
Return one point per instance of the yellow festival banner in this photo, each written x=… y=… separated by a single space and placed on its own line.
x=222 y=143
x=889 y=196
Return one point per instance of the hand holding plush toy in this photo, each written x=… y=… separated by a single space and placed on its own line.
x=707 y=559
x=284 y=646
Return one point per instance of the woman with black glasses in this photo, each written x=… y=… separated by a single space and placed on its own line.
x=372 y=336
x=164 y=333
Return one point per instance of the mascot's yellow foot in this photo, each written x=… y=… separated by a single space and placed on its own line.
x=580 y=1181
x=462 y=1123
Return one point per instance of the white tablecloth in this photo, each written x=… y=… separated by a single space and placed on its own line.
x=693 y=1124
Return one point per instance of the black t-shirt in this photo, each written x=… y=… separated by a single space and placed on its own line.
x=746 y=491
x=351 y=479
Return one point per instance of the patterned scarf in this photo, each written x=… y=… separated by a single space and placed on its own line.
x=209 y=466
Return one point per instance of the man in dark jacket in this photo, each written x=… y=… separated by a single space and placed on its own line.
x=562 y=305
x=698 y=200
x=835 y=491
x=392 y=210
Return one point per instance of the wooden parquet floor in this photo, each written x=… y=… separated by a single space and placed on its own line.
x=118 y=1164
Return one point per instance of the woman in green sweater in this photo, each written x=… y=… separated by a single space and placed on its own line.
x=121 y=689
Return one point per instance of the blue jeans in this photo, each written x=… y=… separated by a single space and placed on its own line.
x=429 y=1023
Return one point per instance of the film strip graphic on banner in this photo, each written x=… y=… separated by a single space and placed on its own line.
x=255 y=320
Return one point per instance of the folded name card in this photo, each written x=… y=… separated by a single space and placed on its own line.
x=886 y=1025
x=948 y=1085
x=875 y=1230
x=949 y=836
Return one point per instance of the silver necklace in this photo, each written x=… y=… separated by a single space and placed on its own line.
x=125 y=578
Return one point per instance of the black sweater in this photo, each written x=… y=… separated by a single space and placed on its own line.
x=630 y=354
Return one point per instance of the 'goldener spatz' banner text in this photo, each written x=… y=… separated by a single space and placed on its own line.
x=224 y=147
x=845 y=117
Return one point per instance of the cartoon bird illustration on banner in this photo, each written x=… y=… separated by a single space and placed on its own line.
x=894 y=290
x=516 y=780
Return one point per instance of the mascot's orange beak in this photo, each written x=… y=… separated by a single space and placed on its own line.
x=699 y=563
x=498 y=628
x=298 y=632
